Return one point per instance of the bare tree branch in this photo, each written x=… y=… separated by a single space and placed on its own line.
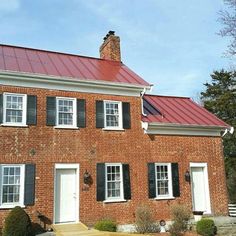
x=228 y=19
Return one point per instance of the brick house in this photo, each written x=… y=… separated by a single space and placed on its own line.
x=82 y=140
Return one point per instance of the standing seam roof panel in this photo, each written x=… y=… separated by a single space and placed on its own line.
x=191 y=113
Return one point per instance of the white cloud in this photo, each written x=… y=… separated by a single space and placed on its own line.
x=9 y=5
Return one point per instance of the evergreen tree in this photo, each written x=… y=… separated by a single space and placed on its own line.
x=220 y=99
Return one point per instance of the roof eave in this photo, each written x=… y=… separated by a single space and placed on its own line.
x=71 y=84
x=183 y=129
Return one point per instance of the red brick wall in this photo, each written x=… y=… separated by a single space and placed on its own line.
x=89 y=146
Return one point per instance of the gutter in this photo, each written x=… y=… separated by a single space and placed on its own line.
x=179 y=129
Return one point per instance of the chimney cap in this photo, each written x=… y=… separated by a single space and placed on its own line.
x=110 y=32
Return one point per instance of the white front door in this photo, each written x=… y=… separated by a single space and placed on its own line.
x=66 y=196
x=200 y=189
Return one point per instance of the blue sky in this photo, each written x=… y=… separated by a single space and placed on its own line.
x=172 y=44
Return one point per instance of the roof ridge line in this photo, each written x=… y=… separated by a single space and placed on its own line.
x=170 y=96
x=58 y=52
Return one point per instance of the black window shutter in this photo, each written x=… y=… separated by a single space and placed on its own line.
x=31 y=110
x=126 y=182
x=51 y=111
x=1 y=108
x=100 y=181
x=126 y=115
x=99 y=114
x=81 y=113
x=151 y=180
x=175 y=179
x=29 y=195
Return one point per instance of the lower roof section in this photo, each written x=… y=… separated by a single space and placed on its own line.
x=179 y=116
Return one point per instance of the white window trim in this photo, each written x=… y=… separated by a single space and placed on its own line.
x=22 y=186
x=24 y=111
x=120 y=127
x=170 y=195
x=114 y=199
x=74 y=126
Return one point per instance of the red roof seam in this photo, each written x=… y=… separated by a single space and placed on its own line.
x=127 y=70
x=87 y=68
x=30 y=64
x=212 y=116
x=170 y=114
x=41 y=63
x=55 y=67
x=184 y=109
x=94 y=65
x=201 y=117
x=67 y=68
x=76 y=66
x=4 y=63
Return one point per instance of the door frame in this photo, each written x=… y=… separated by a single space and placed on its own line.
x=66 y=166
x=207 y=190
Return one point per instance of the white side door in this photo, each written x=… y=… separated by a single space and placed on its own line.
x=65 y=196
x=200 y=189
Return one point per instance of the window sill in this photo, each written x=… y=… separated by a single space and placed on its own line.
x=164 y=198
x=113 y=129
x=11 y=206
x=14 y=125
x=66 y=127
x=114 y=200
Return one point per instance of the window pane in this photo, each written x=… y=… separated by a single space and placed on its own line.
x=11 y=185
x=14 y=108
x=162 y=180
x=65 y=112
x=113 y=181
x=112 y=114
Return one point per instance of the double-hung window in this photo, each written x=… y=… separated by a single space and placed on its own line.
x=12 y=185
x=66 y=112
x=14 y=109
x=114 y=182
x=163 y=180
x=113 y=114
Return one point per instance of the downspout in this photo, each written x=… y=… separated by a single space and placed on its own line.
x=144 y=124
x=142 y=108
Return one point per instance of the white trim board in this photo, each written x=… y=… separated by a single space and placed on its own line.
x=179 y=129
x=9 y=78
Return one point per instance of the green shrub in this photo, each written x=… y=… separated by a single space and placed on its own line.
x=17 y=223
x=144 y=222
x=180 y=217
x=206 y=227
x=105 y=225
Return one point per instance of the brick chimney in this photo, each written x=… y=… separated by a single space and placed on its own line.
x=110 y=49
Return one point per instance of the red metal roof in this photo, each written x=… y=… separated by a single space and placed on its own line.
x=35 y=61
x=177 y=110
